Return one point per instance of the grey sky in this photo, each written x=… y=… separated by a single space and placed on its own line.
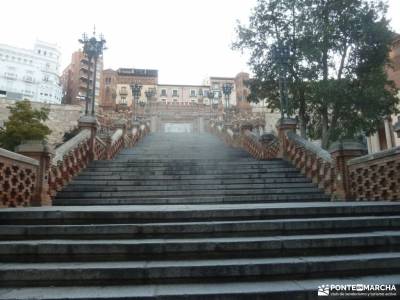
x=186 y=40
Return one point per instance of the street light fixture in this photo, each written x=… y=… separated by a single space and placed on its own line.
x=210 y=96
x=227 y=90
x=150 y=93
x=136 y=92
x=281 y=55
x=93 y=49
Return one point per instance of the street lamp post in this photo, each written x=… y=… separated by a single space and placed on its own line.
x=136 y=92
x=210 y=95
x=150 y=93
x=281 y=56
x=93 y=49
x=227 y=90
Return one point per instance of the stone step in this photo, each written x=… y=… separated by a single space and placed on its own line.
x=197 y=229
x=226 y=199
x=182 y=192
x=189 y=163
x=206 y=162
x=177 y=171
x=300 y=289
x=206 y=247
x=294 y=174
x=211 y=271
x=185 y=187
x=199 y=182
x=122 y=214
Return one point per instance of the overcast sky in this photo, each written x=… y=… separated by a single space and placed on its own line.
x=186 y=40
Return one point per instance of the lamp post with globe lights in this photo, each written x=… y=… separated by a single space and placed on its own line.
x=136 y=92
x=93 y=49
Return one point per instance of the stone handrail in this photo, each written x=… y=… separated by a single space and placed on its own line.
x=375 y=176
x=70 y=145
x=117 y=143
x=313 y=161
x=258 y=149
x=35 y=177
x=70 y=158
x=100 y=149
x=18 y=179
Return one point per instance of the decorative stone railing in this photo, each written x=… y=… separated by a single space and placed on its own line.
x=117 y=143
x=342 y=172
x=100 y=149
x=70 y=158
x=36 y=174
x=259 y=149
x=375 y=176
x=18 y=179
x=313 y=161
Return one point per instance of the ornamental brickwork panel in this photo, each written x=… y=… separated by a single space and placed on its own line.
x=17 y=183
x=376 y=178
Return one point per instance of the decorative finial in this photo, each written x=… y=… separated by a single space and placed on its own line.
x=94 y=30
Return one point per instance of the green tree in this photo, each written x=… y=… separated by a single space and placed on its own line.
x=24 y=123
x=339 y=51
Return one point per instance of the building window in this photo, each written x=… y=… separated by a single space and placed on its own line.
x=164 y=100
x=11 y=76
x=38 y=51
x=28 y=78
x=192 y=93
x=123 y=100
x=175 y=93
x=200 y=92
x=46 y=78
x=163 y=93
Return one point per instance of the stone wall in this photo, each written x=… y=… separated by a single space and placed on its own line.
x=62 y=118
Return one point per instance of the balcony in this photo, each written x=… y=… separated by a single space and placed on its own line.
x=123 y=92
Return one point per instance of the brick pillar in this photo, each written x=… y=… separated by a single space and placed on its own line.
x=283 y=126
x=341 y=152
x=40 y=151
x=89 y=122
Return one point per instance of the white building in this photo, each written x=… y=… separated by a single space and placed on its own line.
x=30 y=74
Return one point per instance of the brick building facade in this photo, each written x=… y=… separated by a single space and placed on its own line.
x=75 y=76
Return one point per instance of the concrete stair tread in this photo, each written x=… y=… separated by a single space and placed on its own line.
x=204 y=207
x=210 y=240
x=201 y=262
x=257 y=290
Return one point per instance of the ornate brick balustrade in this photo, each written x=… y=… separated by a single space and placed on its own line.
x=376 y=176
x=100 y=149
x=262 y=148
x=117 y=143
x=35 y=177
x=70 y=158
x=313 y=161
x=259 y=148
x=342 y=172
x=18 y=179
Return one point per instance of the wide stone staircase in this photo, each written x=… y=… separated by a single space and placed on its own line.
x=182 y=216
